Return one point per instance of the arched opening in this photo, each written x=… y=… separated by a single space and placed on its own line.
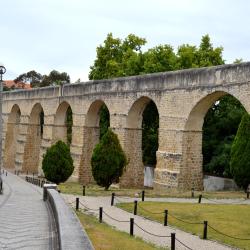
x=208 y=136
x=142 y=143
x=11 y=137
x=33 y=140
x=63 y=124
x=97 y=122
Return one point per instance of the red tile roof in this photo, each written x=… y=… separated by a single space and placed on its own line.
x=19 y=85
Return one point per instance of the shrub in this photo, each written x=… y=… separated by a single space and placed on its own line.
x=240 y=154
x=57 y=163
x=108 y=160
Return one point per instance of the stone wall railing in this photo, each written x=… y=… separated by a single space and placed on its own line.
x=71 y=235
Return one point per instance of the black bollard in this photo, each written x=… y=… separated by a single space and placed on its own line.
x=6 y=173
x=166 y=218
x=131 y=226
x=172 y=241
x=112 y=199
x=247 y=194
x=142 y=195
x=205 y=230
x=135 y=207
x=83 y=190
x=200 y=196
x=100 y=214
x=77 y=204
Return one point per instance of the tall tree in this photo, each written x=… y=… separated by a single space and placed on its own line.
x=32 y=77
x=55 y=78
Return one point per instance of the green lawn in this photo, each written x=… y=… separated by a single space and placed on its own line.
x=105 y=237
x=94 y=190
x=233 y=220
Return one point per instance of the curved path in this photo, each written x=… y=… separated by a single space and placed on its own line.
x=25 y=221
x=191 y=241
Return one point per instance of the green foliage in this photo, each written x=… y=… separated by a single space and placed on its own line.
x=57 y=163
x=104 y=122
x=108 y=160
x=150 y=125
x=240 y=154
x=220 y=126
x=37 y=80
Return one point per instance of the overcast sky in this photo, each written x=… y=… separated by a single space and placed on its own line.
x=63 y=34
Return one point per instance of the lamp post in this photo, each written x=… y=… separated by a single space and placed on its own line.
x=2 y=71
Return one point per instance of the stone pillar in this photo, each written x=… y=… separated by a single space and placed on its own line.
x=134 y=172
x=191 y=175
x=32 y=149
x=21 y=142
x=90 y=139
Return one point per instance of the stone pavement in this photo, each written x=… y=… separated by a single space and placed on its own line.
x=192 y=241
x=25 y=220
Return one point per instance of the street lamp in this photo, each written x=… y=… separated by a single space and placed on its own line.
x=2 y=71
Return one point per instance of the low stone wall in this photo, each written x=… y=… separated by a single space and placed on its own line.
x=213 y=183
x=71 y=235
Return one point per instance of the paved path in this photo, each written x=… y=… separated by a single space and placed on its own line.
x=192 y=241
x=25 y=221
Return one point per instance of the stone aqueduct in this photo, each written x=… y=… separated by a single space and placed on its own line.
x=182 y=99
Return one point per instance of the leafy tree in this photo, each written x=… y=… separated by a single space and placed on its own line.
x=220 y=126
x=108 y=160
x=55 y=78
x=31 y=77
x=240 y=154
x=57 y=163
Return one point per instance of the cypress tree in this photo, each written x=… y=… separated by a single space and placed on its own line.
x=240 y=154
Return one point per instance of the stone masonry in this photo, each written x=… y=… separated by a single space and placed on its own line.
x=182 y=98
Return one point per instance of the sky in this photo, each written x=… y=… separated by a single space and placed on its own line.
x=46 y=35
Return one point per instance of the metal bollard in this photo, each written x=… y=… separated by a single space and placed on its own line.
x=6 y=173
x=142 y=195
x=248 y=195
x=131 y=232
x=166 y=218
x=112 y=199
x=83 y=190
x=200 y=196
x=77 y=204
x=205 y=230
x=172 y=241
x=135 y=207
x=100 y=214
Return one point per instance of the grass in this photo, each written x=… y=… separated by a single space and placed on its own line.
x=233 y=220
x=94 y=190
x=104 y=237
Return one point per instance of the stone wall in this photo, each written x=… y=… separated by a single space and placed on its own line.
x=182 y=98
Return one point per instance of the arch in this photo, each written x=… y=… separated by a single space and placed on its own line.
x=133 y=144
x=91 y=137
x=62 y=130
x=11 y=137
x=33 y=139
x=191 y=173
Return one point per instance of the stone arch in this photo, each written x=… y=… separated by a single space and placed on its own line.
x=33 y=139
x=191 y=172
x=11 y=137
x=90 y=139
x=134 y=175
x=61 y=128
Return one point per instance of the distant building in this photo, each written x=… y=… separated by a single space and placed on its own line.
x=10 y=84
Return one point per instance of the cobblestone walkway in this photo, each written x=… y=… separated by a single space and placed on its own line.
x=122 y=218
x=25 y=221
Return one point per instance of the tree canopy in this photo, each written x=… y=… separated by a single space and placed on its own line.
x=37 y=80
